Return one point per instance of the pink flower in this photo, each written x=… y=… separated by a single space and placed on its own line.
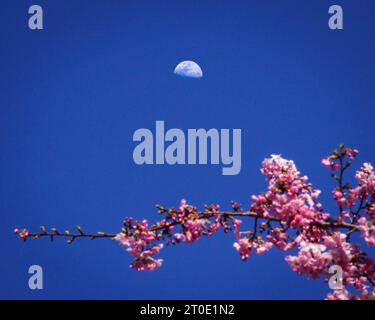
x=243 y=246
x=312 y=260
x=342 y=294
x=263 y=247
x=180 y=237
x=194 y=230
x=280 y=240
x=123 y=239
x=183 y=205
x=142 y=245
x=366 y=179
x=146 y=263
x=329 y=163
x=367 y=231
x=23 y=234
x=326 y=162
x=236 y=223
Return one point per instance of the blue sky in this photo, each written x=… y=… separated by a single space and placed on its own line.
x=73 y=94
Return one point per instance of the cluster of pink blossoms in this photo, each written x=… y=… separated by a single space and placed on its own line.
x=367 y=231
x=143 y=241
x=244 y=246
x=289 y=197
x=314 y=260
x=366 y=185
x=141 y=244
x=354 y=200
x=193 y=226
x=289 y=200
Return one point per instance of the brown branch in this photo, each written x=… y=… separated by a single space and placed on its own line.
x=73 y=236
x=201 y=215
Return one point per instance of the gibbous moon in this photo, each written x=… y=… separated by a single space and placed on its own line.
x=188 y=69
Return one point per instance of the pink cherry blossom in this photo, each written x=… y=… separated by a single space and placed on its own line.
x=329 y=163
x=367 y=231
x=243 y=246
x=341 y=294
x=263 y=247
x=312 y=260
x=146 y=263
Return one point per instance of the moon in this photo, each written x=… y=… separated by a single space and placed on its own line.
x=188 y=69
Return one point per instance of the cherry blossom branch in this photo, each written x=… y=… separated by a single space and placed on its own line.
x=24 y=234
x=102 y=235
x=286 y=216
